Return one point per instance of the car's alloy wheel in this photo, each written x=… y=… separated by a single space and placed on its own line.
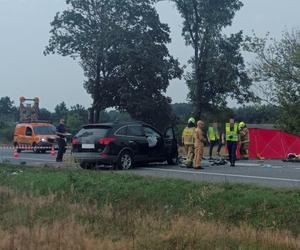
x=125 y=161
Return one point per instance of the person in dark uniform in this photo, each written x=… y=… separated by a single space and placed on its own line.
x=61 y=140
x=232 y=140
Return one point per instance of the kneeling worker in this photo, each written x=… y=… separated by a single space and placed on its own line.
x=199 y=145
x=244 y=138
x=188 y=142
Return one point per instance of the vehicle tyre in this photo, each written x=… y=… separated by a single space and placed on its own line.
x=83 y=165
x=125 y=160
x=16 y=145
x=173 y=160
x=35 y=149
x=43 y=151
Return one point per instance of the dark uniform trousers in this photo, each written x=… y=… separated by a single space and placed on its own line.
x=232 y=146
x=61 y=148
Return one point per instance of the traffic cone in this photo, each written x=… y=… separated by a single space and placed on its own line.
x=53 y=153
x=16 y=154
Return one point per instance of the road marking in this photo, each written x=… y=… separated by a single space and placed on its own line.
x=29 y=159
x=248 y=164
x=220 y=174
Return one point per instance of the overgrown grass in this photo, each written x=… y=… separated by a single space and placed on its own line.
x=103 y=210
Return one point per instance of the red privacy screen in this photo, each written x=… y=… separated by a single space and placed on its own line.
x=272 y=144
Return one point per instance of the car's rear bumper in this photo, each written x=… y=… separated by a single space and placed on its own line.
x=90 y=157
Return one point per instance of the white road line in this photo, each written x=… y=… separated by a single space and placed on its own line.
x=248 y=164
x=220 y=174
x=29 y=159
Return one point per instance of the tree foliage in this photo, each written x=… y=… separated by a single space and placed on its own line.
x=257 y=114
x=122 y=50
x=8 y=111
x=218 y=65
x=277 y=72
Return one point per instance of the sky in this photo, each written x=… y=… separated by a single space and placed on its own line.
x=24 y=33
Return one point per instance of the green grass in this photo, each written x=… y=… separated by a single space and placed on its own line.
x=231 y=203
x=108 y=203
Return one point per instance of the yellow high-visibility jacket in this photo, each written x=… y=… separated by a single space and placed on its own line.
x=188 y=136
x=232 y=135
x=213 y=134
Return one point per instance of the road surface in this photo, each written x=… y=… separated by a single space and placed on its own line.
x=266 y=173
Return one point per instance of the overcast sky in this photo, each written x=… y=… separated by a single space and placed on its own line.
x=24 y=33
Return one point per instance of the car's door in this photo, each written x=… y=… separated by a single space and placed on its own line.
x=28 y=136
x=155 y=143
x=137 y=142
x=170 y=142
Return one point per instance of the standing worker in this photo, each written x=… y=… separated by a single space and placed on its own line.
x=214 y=138
x=199 y=145
x=61 y=140
x=245 y=140
x=188 y=141
x=232 y=140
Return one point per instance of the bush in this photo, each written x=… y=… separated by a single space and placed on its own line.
x=6 y=133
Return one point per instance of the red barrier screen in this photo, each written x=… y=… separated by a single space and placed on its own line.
x=272 y=144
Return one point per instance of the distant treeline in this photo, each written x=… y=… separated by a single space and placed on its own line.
x=77 y=115
x=254 y=114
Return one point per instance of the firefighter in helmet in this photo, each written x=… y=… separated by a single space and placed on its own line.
x=244 y=139
x=188 y=141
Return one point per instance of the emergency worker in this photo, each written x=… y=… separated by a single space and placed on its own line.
x=199 y=145
x=232 y=138
x=245 y=140
x=188 y=141
x=61 y=140
x=214 y=139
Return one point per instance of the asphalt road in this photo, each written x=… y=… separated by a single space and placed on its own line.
x=266 y=173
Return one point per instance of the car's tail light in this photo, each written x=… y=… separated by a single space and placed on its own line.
x=107 y=140
x=75 y=141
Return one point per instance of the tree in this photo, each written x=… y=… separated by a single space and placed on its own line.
x=61 y=111
x=183 y=110
x=277 y=70
x=218 y=66
x=76 y=118
x=155 y=110
x=8 y=111
x=257 y=114
x=121 y=47
x=81 y=111
x=45 y=115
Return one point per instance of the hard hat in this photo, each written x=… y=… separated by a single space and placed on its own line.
x=242 y=124
x=192 y=120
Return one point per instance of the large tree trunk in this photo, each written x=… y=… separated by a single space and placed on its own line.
x=96 y=92
x=197 y=59
x=97 y=115
x=91 y=115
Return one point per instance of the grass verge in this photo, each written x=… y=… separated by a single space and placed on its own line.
x=48 y=209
